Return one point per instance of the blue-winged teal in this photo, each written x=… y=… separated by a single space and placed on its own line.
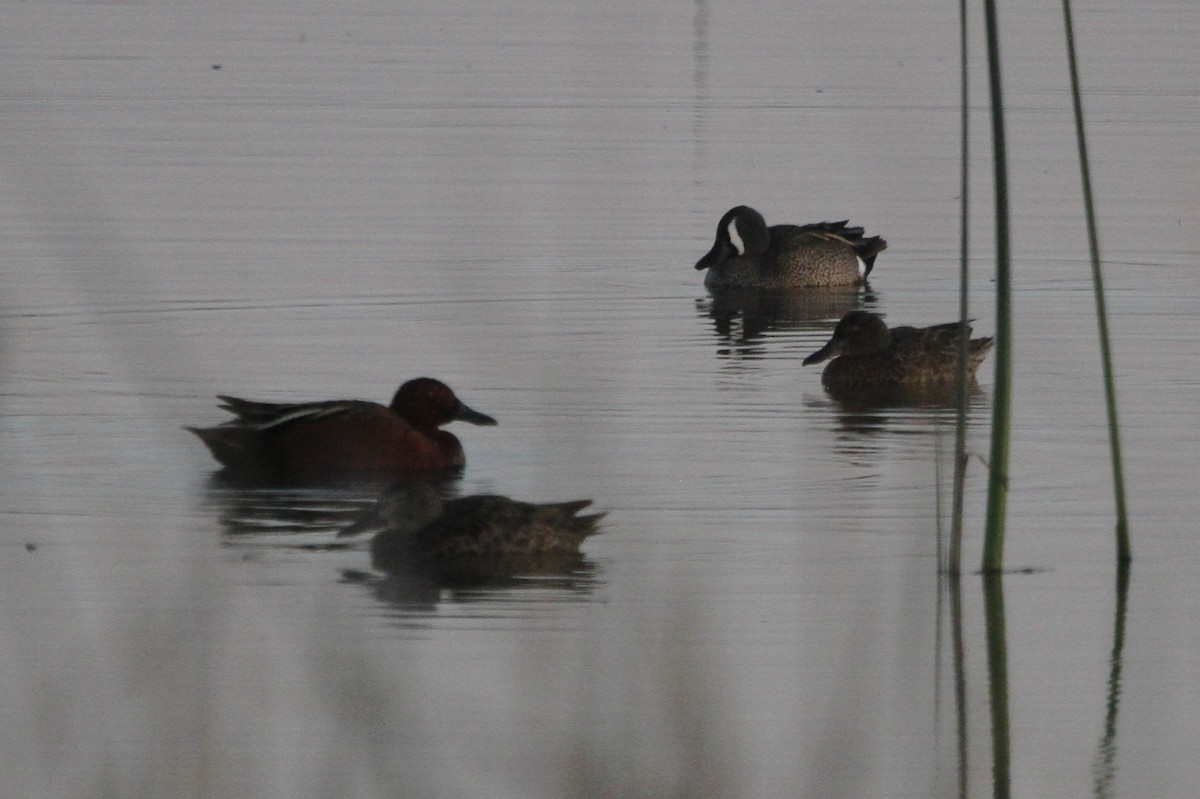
x=308 y=441
x=868 y=355
x=482 y=534
x=749 y=254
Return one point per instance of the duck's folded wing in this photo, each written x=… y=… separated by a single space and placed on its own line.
x=832 y=230
x=265 y=415
x=935 y=336
x=867 y=248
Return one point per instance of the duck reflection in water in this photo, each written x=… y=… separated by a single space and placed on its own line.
x=258 y=514
x=873 y=364
x=475 y=538
x=742 y=317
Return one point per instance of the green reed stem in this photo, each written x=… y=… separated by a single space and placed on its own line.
x=954 y=556
x=993 y=537
x=1124 y=554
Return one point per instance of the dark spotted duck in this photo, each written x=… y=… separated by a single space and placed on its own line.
x=749 y=254
x=486 y=533
x=309 y=441
x=868 y=355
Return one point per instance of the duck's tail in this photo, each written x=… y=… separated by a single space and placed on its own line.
x=978 y=350
x=866 y=248
x=232 y=446
x=565 y=517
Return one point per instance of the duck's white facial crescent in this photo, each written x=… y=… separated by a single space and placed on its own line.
x=735 y=238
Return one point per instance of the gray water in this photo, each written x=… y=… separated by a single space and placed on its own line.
x=307 y=201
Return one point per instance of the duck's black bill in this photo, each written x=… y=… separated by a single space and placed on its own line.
x=466 y=414
x=823 y=354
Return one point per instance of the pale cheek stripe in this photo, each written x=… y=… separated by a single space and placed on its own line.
x=735 y=238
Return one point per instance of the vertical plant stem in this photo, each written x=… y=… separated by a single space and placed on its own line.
x=993 y=539
x=954 y=557
x=1124 y=554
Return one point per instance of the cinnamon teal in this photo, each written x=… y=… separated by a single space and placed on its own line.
x=749 y=254
x=868 y=355
x=309 y=441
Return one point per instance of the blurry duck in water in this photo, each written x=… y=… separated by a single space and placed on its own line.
x=477 y=536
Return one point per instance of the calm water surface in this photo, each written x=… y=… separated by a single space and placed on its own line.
x=303 y=202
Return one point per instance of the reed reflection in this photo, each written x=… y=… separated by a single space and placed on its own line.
x=960 y=683
x=1104 y=768
x=997 y=655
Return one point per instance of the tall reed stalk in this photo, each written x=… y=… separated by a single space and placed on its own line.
x=993 y=538
x=1124 y=554
x=953 y=563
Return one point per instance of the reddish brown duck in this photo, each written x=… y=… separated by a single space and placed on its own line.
x=307 y=441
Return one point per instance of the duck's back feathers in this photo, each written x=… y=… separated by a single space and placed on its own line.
x=485 y=535
x=866 y=248
x=489 y=523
